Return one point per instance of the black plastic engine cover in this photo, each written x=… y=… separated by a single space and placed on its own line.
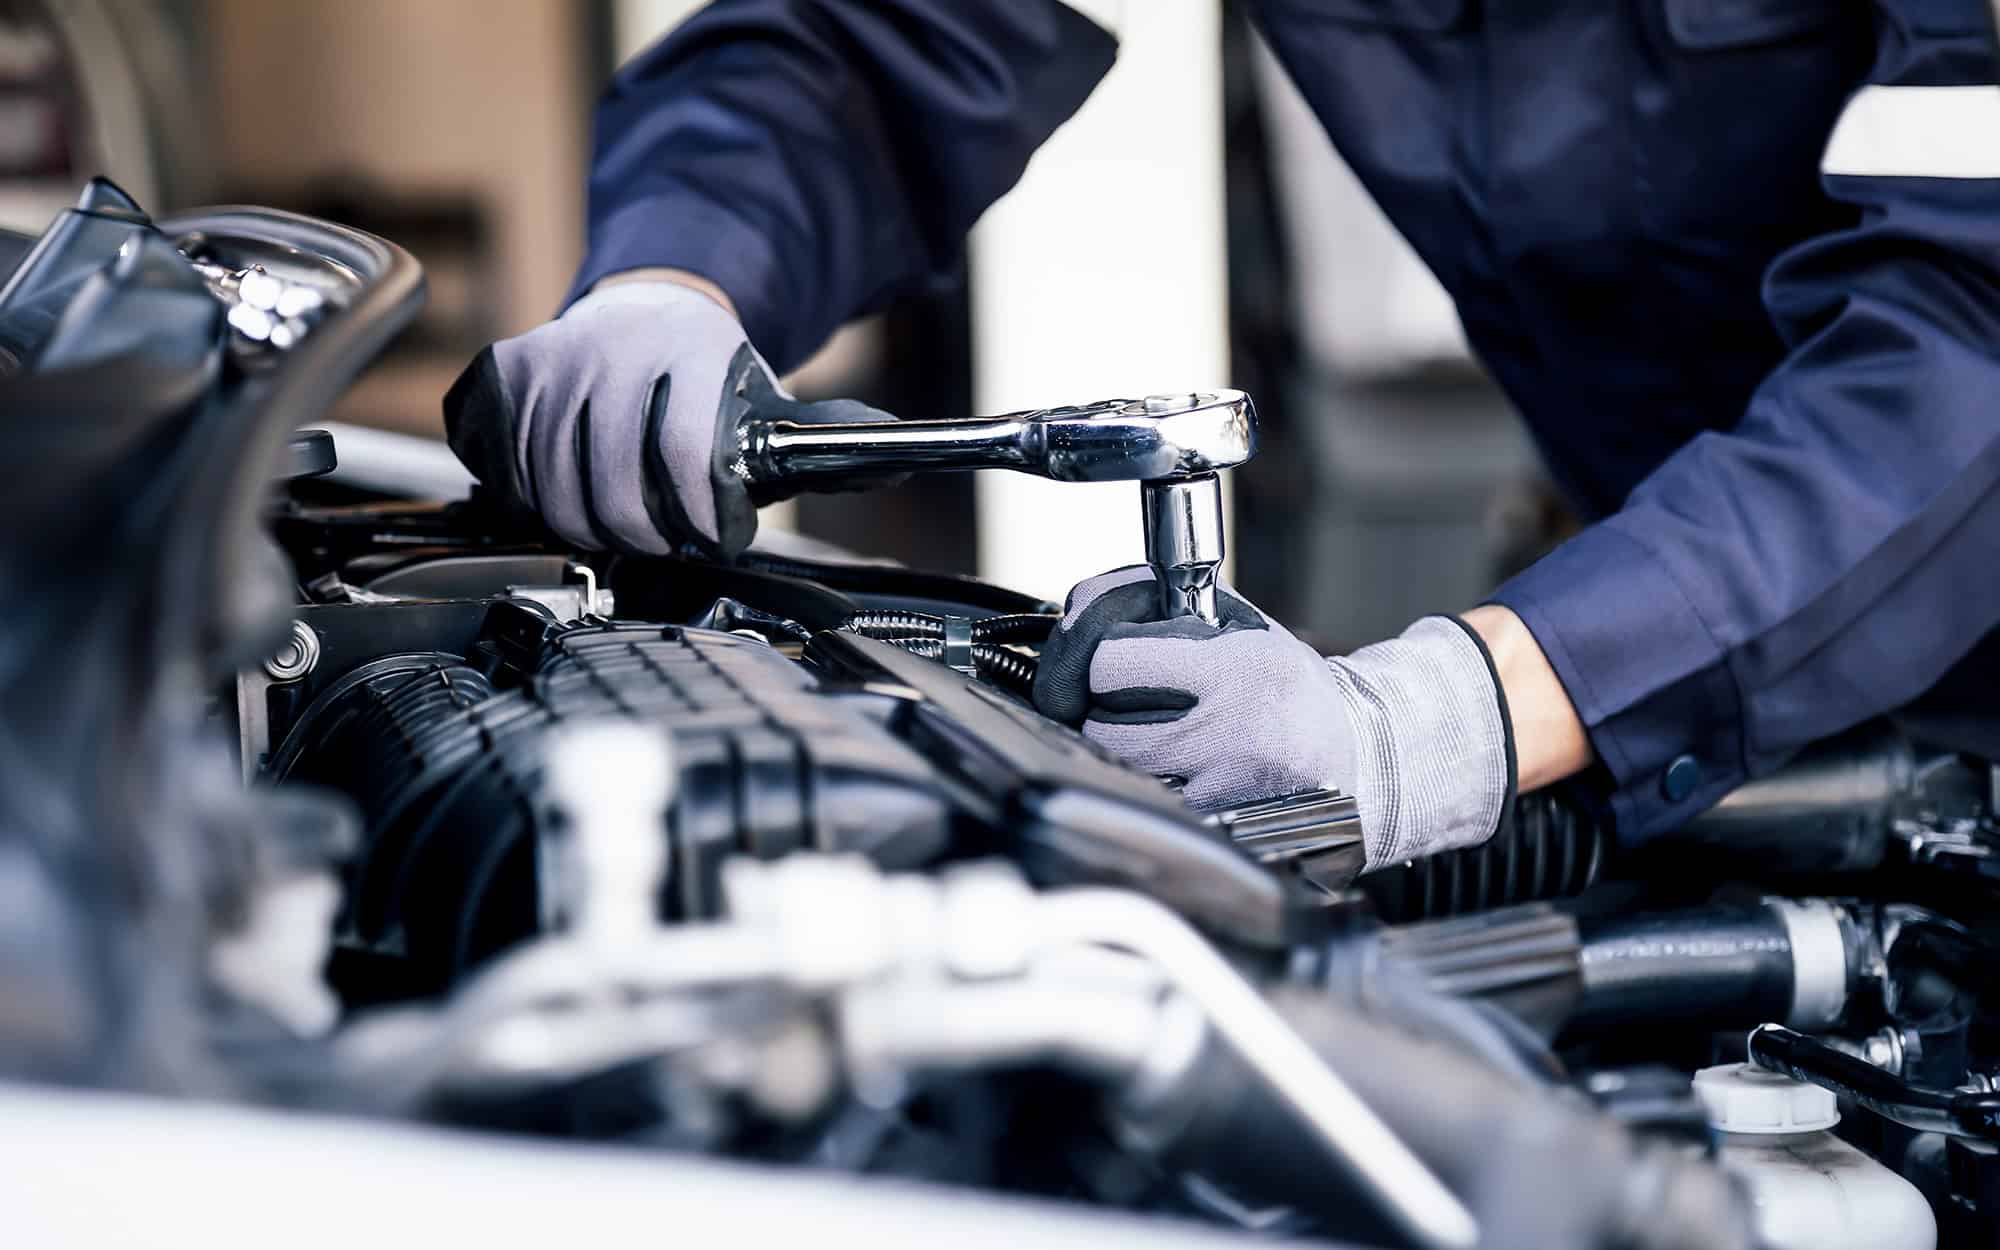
x=448 y=772
x=1070 y=813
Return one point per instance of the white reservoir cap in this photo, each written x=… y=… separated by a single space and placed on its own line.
x=1744 y=1098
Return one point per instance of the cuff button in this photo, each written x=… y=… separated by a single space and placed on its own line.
x=1681 y=778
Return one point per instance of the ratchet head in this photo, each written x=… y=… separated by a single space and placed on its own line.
x=1161 y=436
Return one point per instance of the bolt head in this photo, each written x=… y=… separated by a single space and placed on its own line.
x=298 y=655
x=297 y=301
x=259 y=289
x=251 y=322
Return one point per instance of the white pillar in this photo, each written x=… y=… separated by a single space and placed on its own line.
x=636 y=23
x=1103 y=274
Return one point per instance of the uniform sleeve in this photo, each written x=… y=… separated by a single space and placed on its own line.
x=1831 y=556
x=814 y=157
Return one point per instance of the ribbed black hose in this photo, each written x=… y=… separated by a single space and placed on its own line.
x=1008 y=668
x=995 y=663
x=892 y=624
x=1549 y=850
x=1018 y=627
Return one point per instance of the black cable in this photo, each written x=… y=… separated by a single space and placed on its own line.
x=1956 y=1113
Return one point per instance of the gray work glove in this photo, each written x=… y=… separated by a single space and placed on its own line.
x=616 y=422
x=1414 y=728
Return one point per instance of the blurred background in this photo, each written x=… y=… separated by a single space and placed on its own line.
x=1190 y=227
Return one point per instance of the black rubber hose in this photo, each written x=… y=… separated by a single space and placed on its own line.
x=1713 y=966
x=1956 y=1113
x=1718 y=965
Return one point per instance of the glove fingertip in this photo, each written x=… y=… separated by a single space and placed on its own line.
x=747 y=388
x=475 y=404
x=481 y=427
x=1058 y=695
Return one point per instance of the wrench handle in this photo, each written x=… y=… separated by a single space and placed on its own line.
x=793 y=451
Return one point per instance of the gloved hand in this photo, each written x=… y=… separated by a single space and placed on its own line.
x=617 y=421
x=1415 y=728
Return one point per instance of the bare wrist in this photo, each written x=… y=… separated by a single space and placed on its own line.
x=1550 y=742
x=680 y=277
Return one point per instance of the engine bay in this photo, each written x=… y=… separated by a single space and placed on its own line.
x=317 y=797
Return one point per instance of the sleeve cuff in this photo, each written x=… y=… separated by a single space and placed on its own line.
x=1648 y=679
x=1505 y=820
x=679 y=229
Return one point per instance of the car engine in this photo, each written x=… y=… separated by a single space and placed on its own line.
x=316 y=797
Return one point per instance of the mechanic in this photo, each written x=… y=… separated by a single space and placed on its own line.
x=1737 y=264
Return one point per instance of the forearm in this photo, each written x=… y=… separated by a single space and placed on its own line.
x=1549 y=739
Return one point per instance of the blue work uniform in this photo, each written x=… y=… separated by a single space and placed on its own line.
x=1736 y=261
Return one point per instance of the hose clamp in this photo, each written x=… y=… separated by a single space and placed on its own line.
x=1819 y=961
x=958 y=645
